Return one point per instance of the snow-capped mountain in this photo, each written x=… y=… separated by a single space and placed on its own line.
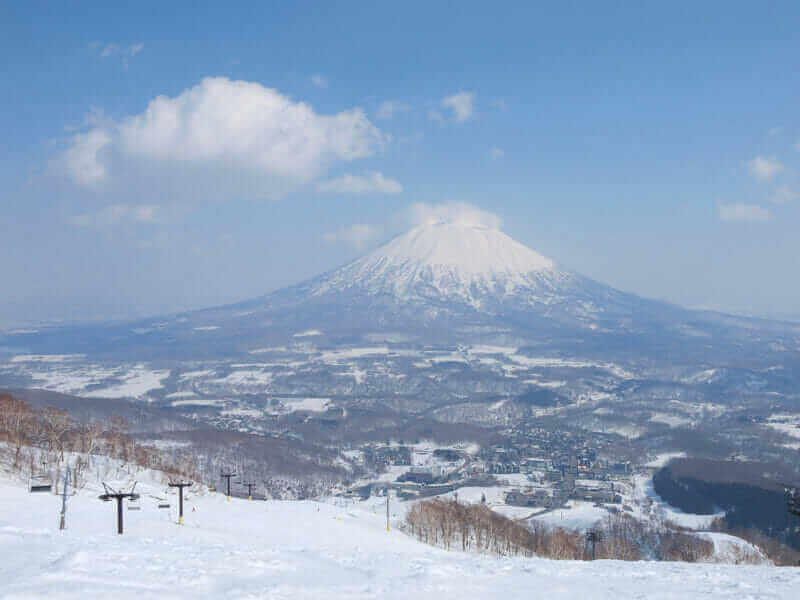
x=448 y=321
x=443 y=273
x=444 y=282
x=446 y=260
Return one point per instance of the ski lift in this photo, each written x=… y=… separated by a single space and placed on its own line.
x=163 y=504
x=40 y=483
x=133 y=504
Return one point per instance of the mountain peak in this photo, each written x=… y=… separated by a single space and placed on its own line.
x=446 y=258
x=472 y=249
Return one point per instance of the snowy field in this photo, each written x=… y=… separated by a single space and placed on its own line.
x=643 y=490
x=297 y=550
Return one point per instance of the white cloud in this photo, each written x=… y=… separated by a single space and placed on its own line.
x=764 y=168
x=358 y=236
x=461 y=106
x=784 y=195
x=320 y=81
x=370 y=183
x=363 y=235
x=109 y=50
x=496 y=153
x=743 y=212
x=453 y=212
x=220 y=138
x=119 y=213
x=390 y=108
x=84 y=160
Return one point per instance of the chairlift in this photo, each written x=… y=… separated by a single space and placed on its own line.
x=133 y=504
x=40 y=483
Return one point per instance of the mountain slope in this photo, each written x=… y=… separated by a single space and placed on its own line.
x=242 y=549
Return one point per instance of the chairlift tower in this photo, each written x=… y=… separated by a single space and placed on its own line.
x=180 y=485
x=227 y=476
x=249 y=485
x=388 y=495
x=112 y=494
x=594 y=537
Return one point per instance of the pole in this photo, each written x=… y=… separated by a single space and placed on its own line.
x=62 y=521
x=112 y=494
x=119 y=515
x=228 y=476
x=387 y=509
x=180 y=485
x=250 y=486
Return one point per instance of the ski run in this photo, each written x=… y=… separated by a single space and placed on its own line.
x=303 y=549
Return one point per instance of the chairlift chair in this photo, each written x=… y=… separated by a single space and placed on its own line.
x=133 y=504
x=40 y=483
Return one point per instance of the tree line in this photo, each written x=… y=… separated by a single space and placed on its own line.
x=748 y=492
x=475 y=527
x=28 y=435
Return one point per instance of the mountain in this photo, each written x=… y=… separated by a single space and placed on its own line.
x=448 y=261
x=440 y=283
x=444 y=330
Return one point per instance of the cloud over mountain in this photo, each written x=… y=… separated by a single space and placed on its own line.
x=459 y=213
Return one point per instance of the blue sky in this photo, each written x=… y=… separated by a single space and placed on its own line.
x=160 y=158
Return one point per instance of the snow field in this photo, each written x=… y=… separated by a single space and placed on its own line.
x=242 y=549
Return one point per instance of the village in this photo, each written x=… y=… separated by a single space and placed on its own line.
x=536 y=468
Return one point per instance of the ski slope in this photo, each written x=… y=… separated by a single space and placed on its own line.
x=298 y=550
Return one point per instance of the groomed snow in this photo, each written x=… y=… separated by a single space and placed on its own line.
x=303 y=550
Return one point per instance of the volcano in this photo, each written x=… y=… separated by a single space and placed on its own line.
x=443 y=282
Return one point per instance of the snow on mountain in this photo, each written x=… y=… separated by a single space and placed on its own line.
x=451 y=259
x=242 y=549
